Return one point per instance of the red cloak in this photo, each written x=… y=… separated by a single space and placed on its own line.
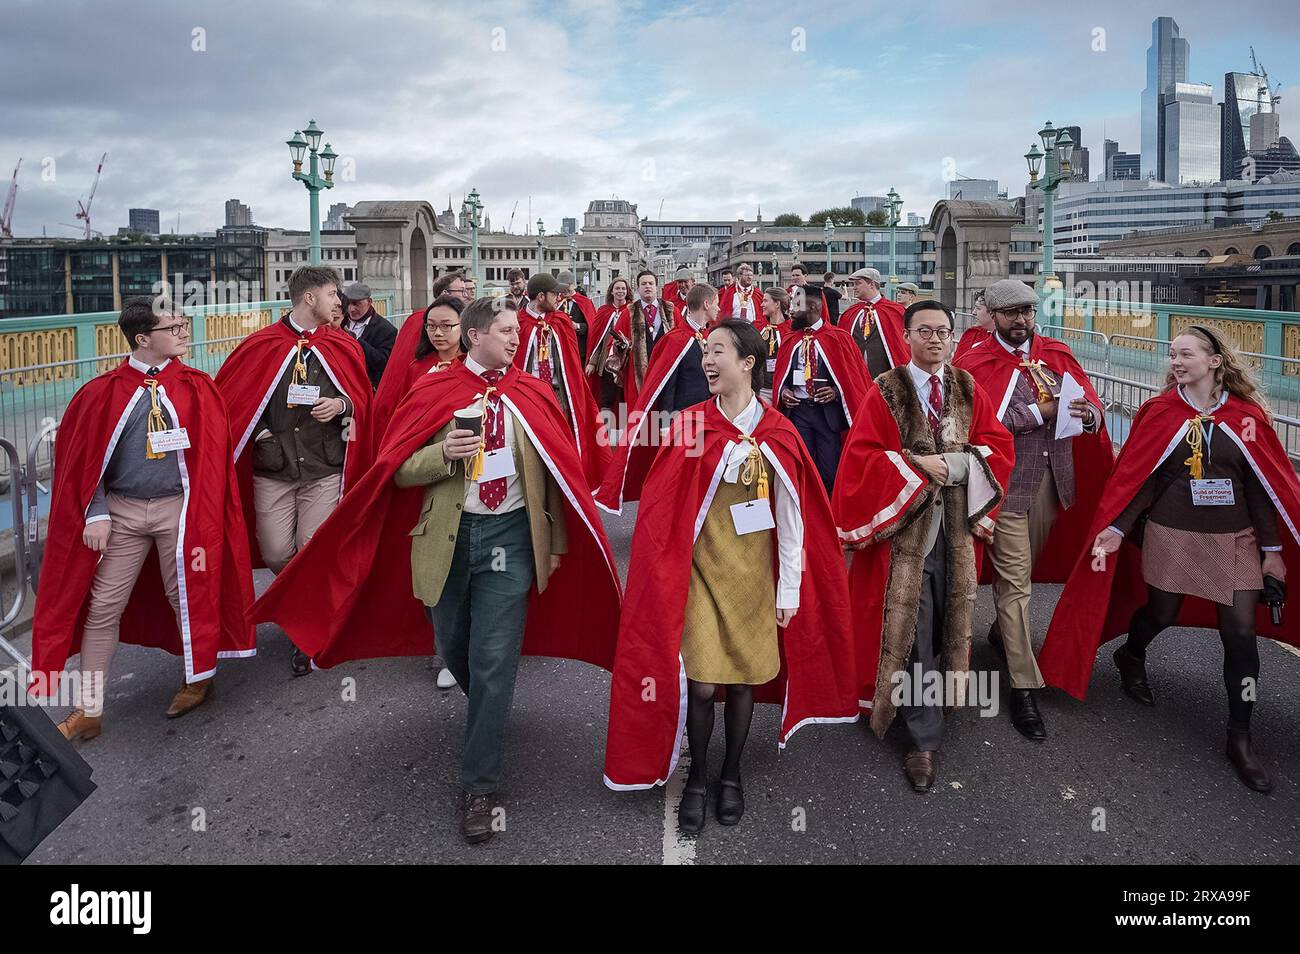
x=972 y=337
x=996 y=370
x=585 y=423
x=838 y=353
x=877 y=491
x=408 y=336
x=252 y=372
x=726 y=304
x=348 y=596
x=588 y=310
x=393 y=386
x=670 y=294
x=608 y=318
x=889 y=314
x=1101 y=594
x=816 y=680
x=213 y=573
x=637 y=448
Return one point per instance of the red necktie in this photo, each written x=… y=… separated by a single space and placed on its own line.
x=544 y=352
x=651 y=311
x=493 y=492
x=810 y=361
x=936 y=407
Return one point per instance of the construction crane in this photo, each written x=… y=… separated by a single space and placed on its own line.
x=512 y=216
x=83 y=210
x=7 y=217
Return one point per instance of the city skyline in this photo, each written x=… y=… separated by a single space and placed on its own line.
x=413 y=118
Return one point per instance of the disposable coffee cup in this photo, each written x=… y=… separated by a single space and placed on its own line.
x=469 y=419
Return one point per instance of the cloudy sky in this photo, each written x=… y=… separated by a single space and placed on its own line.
x=713 y=109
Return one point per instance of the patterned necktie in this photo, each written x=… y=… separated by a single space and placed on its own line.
x=809 y=361
x=651 y=312
x=493 y=492
x=936 y=407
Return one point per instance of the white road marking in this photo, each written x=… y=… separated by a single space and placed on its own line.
x=678 y=849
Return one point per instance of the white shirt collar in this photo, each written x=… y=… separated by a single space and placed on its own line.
x=691 y=321
x=299 y=328
x=921 y=378
x=747 y=419
x=359 y=322
x=144 y=368
x=1022 y=349
x=477 y=368
x=535 y=314
x=816 y=326
x=739 y=451
x=1223 y=399
x=872 y=301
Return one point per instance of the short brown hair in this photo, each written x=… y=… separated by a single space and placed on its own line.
x=307 y=277
x=443 y=282
x=514 y=273
x=480 y=314
x=699 y=295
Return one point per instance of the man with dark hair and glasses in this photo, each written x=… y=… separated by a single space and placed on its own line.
x=922 y=475
x=144 y=466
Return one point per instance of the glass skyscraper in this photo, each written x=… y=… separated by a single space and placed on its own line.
x=1167 y=60
x=1244 y=95
x=1191 y=134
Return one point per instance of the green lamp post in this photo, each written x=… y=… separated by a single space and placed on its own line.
x=895 y=202
x=470 y=209
x=829 y=230
x=1057 y=147
x=541 y=246
x=313 y=179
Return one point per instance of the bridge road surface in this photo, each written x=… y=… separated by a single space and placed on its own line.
x=285 y=771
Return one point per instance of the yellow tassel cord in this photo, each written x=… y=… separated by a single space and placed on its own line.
x=543 y=342
x=156 y=421
x=474 y=469
x=868 y=320
x=770 y=334
x=753 y=467
x=1041 y=377
x=1196 y=441
x=299 y=367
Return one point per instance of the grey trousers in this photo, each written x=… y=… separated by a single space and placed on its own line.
x=925 y=722
x=478 y=624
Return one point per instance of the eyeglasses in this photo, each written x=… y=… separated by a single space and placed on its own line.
x=926 y=334
x=176 y=329
x=1023 y=312
x=435 y=326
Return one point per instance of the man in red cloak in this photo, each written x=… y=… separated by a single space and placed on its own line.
x=743 y=300
x=979 y=332
x=145 y=524
x=1055 y=486
x=579 y=309
x=876 y=324
x=548 y=350
x=676 y=290
x=819 y=383
x=921 y=478
x=360 y=588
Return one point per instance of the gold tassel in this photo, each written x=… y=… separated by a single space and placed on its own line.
x=868 y=320
x=1196 y=441
x=1041 y=377
x=474 y=467
x=754 y=466
x=156 y=422
x=543 y=342
x=770 y=333
x=299 y=368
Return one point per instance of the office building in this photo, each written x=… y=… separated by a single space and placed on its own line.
x=143 y=221
x=1191 y=135
x=568 y=226
x=1245 y=97
x=866 y=204
x=973 y=190
x=335 y=220
x=237 y=214
x=1167 y=61
x=1079 y=170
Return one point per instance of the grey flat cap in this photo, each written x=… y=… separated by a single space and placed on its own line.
x=565 y=277
x=910 y=286
x=1009 y=293
x=542 y=282
x=357 y=291
x=870 y=274
x=682 y=274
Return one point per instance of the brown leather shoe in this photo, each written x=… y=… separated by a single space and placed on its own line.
x=920 y=768
x=1250 y=769
x=476 y=817
x=1133 y=677
x=78 y=725
x=191 y=696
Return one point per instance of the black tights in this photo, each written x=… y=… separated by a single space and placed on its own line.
x=736 y=716
x=1236 y=630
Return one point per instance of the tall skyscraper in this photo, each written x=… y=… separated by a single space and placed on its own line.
x=1191 y=134
x=1245 y=95
x=1167 y=60
x=237 y=213
x=1078 y=155
x=1109 y=149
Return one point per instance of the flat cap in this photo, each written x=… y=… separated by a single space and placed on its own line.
x=1009 y=293
x=870 y=274
x=542 y=282
x=910 y=286
x=565 y=277
x=357 y=291
x=682 y=274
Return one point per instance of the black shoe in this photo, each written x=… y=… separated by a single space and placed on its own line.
x=690 y=813
x=299 y=663
x=1025 y=715
x=731 y=802
x=476 y=817
x=1250 y=769
x=1133 y=676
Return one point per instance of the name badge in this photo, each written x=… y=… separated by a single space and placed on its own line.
x=497 y=464
x=799 y=378
x=752 y=516
x=771 y=365
x=303 y=394
x=160 y=442
x=1213 y=493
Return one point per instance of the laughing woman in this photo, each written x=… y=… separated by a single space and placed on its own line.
x=1199 y=519
x=748 y=596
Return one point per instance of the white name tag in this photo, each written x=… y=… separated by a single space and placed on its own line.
x=771 y=365
x=1213 y=493
x=497 y=464
x=160 y=442
x=752 y=516
x=303 y=394
x=799 y=378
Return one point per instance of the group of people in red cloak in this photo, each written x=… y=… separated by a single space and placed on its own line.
x=818 y=503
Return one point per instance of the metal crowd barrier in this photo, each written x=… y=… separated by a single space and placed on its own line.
x=25 y=489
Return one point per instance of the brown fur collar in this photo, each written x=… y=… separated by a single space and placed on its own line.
x=640 y=349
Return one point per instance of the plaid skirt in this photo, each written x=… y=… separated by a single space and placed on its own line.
x=1210 y=565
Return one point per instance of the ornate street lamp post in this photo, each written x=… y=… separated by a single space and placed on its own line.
x=470 y=209
x=541 y=246
x=895 y=203
x=829 y=230
x=1057 y=147
x=312 y=178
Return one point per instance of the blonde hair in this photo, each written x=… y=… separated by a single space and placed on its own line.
x=1234 y=374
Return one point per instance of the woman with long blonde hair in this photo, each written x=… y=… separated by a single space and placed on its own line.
x=1202 y=511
